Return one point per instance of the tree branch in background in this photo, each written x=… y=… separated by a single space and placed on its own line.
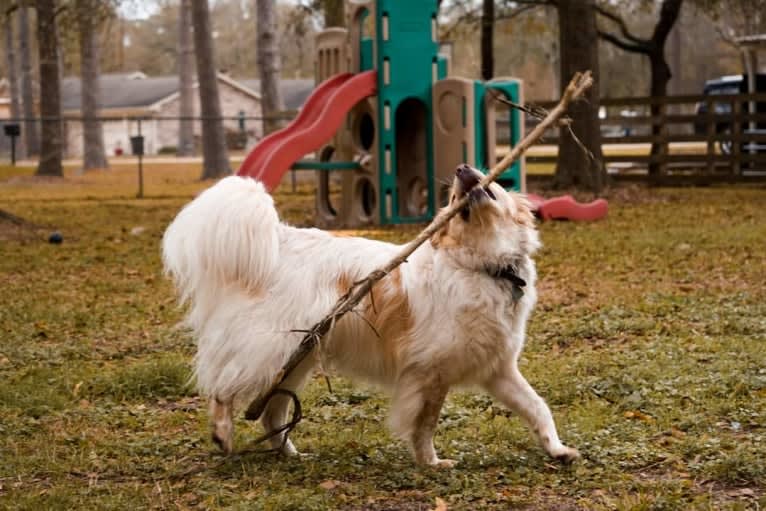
x=624 y=30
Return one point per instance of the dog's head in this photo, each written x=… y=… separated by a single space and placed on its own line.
x=496 y=227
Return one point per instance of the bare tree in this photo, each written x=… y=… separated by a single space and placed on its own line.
x=736 y=18
x=654 y=48
x=31 y=137
x=487 y=39
x=267 y=53
x=186 y=80
x=13 y=78
x=215 y=160
x=87 y=14
x=578 y=43
x=51 y=151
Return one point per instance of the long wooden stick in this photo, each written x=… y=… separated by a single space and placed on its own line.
x=579 y=84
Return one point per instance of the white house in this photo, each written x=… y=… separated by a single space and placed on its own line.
x=129 y=95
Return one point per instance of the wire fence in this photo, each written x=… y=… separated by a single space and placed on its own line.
x=161 y=134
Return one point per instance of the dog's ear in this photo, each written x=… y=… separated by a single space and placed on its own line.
x=524 y=215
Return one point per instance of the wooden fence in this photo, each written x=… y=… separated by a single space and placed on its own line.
x=721 y=142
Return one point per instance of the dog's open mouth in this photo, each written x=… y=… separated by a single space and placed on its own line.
x=466 y=182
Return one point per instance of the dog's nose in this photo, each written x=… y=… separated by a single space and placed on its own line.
x=467 y=177
x=462 y=169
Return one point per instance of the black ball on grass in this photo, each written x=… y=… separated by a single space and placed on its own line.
x=55 y=238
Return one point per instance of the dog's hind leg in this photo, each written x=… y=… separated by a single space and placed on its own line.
x=275 y=414
x=221 y=423
x=512 y=389
x=414 y=415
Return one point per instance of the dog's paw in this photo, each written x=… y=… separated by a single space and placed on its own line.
x=445 y=463
x=225 y=444
x=289 y=450
x=567 y=455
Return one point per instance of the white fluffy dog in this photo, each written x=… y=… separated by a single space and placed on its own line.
x=453 y=314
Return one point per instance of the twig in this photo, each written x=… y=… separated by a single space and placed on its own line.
x=579 y=84
x=540 y=113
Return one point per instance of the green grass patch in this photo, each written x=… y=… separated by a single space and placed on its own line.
x=648 y=342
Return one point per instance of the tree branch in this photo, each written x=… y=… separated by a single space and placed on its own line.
x=668 y=15
x=634 y=48
x=624 y=30
x=574 y=91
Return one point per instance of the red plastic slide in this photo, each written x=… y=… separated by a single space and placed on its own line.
x=566 y=208
x=318 y=120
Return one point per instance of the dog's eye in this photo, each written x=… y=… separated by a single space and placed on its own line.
x=489 y=192
x=465 y=214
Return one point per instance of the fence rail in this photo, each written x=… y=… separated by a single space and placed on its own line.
x=161 y=132
x=690 y=139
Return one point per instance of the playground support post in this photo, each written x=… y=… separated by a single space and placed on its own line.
x=580 y=83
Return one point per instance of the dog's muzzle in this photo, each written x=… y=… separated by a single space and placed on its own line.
x=467 y=179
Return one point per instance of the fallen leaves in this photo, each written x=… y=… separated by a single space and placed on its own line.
x=330 y=484
x=638 y=415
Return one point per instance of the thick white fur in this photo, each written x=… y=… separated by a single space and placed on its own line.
x=440 y=320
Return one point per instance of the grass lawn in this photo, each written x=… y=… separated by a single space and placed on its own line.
x=648 y=342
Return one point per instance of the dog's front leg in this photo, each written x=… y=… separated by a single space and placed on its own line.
x=221 y=424
x=512 y=389
x=415 y=413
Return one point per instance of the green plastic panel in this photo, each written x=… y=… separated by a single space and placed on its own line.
x=511 y=89
x=406 y=56
x=365 y=59
x=325 y=165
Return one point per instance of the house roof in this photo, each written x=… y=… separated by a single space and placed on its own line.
x=294 y=91
x=134 y=90
x=121 y=90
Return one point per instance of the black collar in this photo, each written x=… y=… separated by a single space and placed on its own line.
x=509 y=274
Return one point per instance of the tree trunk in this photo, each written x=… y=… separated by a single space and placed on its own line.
x=487 y=39
x=215 y=160
x=578 y=43
x=267 y=53
x=31 y=136
x=334 y=13
x=13 y=79
x=186 y=81
x=654 y=49
x=660 y=76
x=94 y=156
x=51 y=151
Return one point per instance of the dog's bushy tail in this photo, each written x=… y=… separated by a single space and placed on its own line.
x=226 y=236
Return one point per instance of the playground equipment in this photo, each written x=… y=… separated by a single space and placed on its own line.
x=387 y=124
x=387 y=120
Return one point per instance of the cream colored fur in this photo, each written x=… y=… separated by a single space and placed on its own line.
x=440 y=320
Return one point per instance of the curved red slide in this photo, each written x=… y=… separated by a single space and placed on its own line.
x=318 y=120
x=566 y=208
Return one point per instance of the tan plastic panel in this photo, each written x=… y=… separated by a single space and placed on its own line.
x=331 y=53
x=355 y=20
x=453 y=128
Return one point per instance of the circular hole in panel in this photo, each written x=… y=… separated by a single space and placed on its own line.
x=365 y=131
x=328 y=189
x=366 y=198
x=449 y=111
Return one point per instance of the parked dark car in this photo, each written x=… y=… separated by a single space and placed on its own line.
x=726 y=85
